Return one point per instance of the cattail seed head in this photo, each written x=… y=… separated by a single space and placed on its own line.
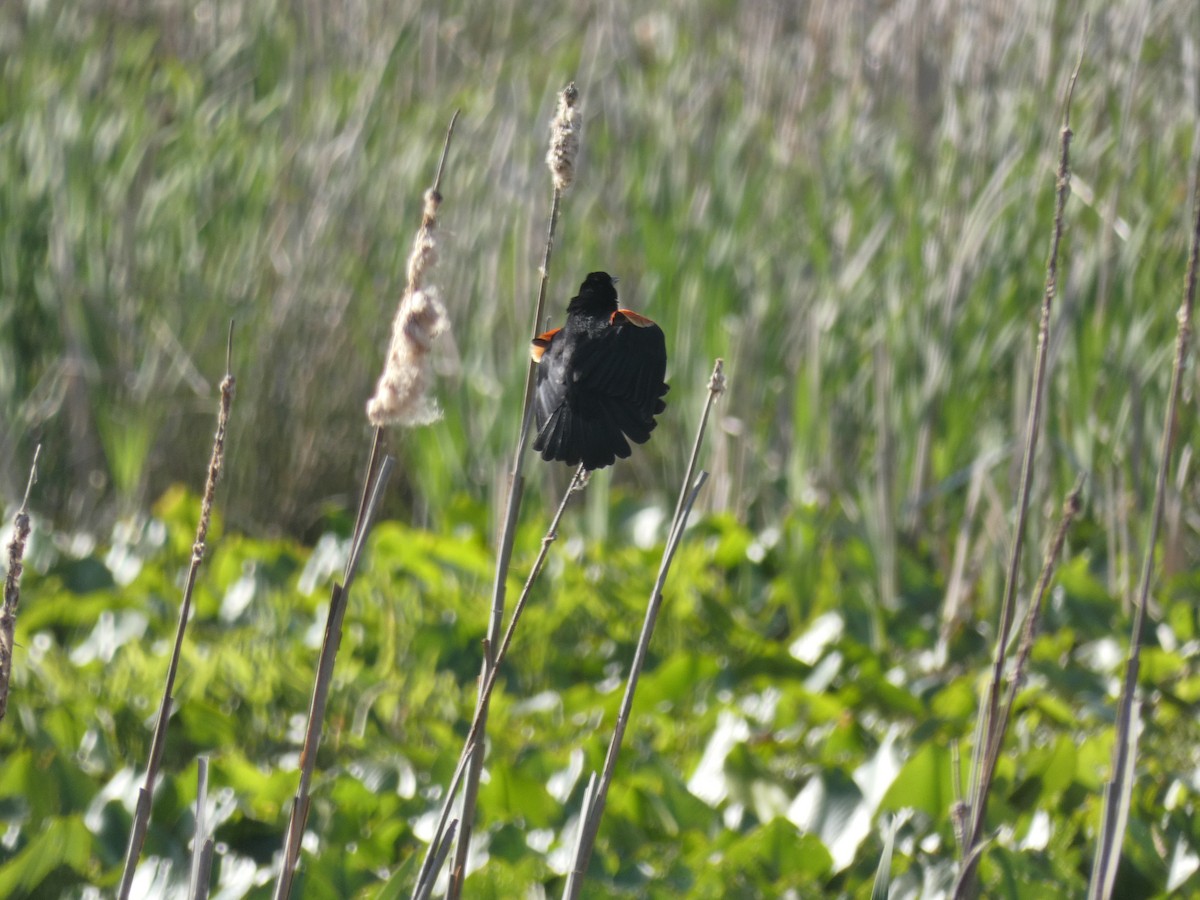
x=402 y=394
x=424 y=251
x=565 y=129
x=215 y=463
x=716 y=383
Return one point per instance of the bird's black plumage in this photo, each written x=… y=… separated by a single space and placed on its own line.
x=600 y=379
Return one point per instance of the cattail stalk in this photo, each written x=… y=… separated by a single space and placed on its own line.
x=202 y=841
x=597 y=793
x=990 y=725
x=429 y=868
x=401 y=398
x=960 y=811
x=562 y=156
x=12 y=585
x=339 y=595
x=141 y=819
x=1118 y=790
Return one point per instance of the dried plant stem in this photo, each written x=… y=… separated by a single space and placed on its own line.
x=597 y=796
x=597 y=793
x=141 y=819
x=716 y=387
x=990 y=724
x=564 y=145
x=1071 y=509
x=434 y=863
x=202 y=842
x=1118 y=790
x=512 y=510
x=12 y=585
x=339 y=595
x=475 y=735
x=885 y=488
x=379 y=467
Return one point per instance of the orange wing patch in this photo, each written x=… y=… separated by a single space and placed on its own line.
x=628 y=315
x=538 y=345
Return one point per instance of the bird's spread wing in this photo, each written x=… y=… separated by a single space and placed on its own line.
x=624 y=369
x=602 y=390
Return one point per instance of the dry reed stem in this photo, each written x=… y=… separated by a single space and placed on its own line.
x=475 y=735
x=435 y=863
x=12 y=585
x=989 y=724
x=1072 y=506
x=141 y=820
x=417 y=271
x=597 y=793
x=411 y=328
x=1117 y=791
x=561 y=158
x=202 y=841
x=1071 y=509
x=339 y=595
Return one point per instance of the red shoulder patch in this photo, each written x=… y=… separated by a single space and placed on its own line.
x=628 y=315
x=538 y=345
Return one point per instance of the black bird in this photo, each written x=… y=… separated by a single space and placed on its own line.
x=599 y=380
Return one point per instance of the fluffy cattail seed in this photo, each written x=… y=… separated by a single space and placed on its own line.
x=565 y=129
x=424 y=251
x=402 y=394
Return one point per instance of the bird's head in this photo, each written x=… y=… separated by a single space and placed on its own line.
x=597 y=294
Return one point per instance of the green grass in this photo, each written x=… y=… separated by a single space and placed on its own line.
x=790 y=209
x=850 y=204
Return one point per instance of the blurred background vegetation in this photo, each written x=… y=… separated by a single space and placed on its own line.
x=848 y=201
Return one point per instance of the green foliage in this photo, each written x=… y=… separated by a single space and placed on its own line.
x=766 y=752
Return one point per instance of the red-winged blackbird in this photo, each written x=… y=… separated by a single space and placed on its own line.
x=600 y=379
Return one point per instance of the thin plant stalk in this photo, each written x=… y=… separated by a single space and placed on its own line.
x=597 y=793
x=446 y=826
x=564 y=148
x=399 y=399
x=989 y=724
x=141 y=819
x=435 y=863
x=202 y=842
x=589 y=820
x=12 y=584
x=1118 y=790
x=1071 y=509
x=475 y=734
x=885 y=488
x=339 y=595
x=716 y=387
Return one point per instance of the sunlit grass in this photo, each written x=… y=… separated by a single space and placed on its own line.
x=788 y=209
